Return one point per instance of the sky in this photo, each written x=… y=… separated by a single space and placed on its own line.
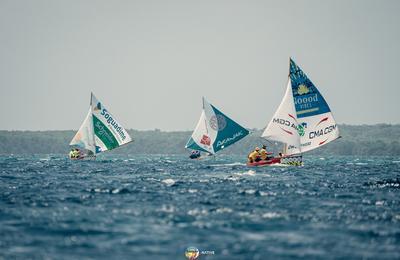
x=150 y=62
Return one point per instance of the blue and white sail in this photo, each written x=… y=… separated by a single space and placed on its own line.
x=304 y=120
x=214 y=131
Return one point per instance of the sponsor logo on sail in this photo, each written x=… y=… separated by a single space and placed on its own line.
x=111 y=121
x=301 y=128
x=322 y=131
x=97 y=107
x=101 y=131
x=205 y=140
x=284 y=122
x=302 y=90
x=227 y=140
x=306 y=99
x=218 y=122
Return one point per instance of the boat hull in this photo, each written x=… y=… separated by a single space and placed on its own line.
x=268 y=162
x=296 y=160
x=84 y=158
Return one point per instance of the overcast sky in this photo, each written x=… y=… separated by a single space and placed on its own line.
x=150 y=62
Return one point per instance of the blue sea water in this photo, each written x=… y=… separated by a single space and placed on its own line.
x=154 y=207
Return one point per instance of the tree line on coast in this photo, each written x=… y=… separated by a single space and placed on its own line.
x=380 y=139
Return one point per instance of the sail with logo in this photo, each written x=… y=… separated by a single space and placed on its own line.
x=99 y=132
x=303 y=120
x=214 y=131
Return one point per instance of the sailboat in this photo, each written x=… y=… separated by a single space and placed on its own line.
x=302 y=122
x=214 y=131
x=99 y=132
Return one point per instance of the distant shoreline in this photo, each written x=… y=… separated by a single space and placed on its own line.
x=379 y=139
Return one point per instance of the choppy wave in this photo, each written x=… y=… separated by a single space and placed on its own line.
x=141 y=207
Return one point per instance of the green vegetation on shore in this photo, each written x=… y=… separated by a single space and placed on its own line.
x=381 y=139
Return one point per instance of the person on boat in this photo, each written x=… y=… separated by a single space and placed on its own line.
x=263 y=153
x=254 y=156
x=75 y=153
x=195 y=154
x=72 y=153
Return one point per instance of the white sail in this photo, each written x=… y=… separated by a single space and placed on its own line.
x=320 y=130
x=283 y=125
x=201 y=135
x=84 y=138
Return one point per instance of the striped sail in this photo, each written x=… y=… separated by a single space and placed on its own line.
x=214 y=131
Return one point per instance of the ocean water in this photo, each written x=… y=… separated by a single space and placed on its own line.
x=154 y=207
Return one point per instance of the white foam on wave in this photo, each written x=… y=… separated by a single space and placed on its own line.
x=224 y=210
x=268 y=193
x=250 y=191
x=281 y=165
x=168 y=182
x=115 y=191
x=197 y=212
x=232 y=178
x=271 y=215
x=167 y=208
x=249 y=172
x=253 y=236
x=228 y=164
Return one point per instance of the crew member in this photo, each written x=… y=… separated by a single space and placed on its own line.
x=264 y=153
x=72 y=153
x=195 y=154
x=254 y=156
